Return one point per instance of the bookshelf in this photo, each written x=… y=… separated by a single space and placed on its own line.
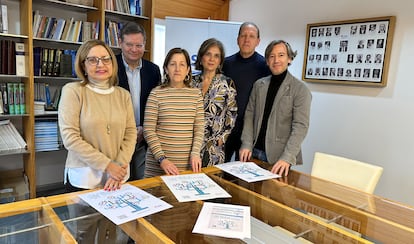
x=20 y=29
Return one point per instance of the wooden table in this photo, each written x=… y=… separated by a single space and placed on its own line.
x=305 y=208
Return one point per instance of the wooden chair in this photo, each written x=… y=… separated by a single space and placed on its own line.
x=348 y=172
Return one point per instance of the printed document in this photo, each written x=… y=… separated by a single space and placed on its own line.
x=247 y=171
x=125 y=204
x=192 y=187
x=225 y=220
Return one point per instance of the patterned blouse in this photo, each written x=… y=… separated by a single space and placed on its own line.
x=220 y=116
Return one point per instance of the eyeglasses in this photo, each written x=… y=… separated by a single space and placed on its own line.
x=95 y=60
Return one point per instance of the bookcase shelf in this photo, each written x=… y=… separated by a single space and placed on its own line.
x=13 y=36
x=14 y=152
x=115 y=14
x=20 y=15
x=67 y=5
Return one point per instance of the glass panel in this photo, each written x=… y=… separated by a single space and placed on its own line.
x=87 y=225
x=351 y=210
x=30 y=227
x=268 y=220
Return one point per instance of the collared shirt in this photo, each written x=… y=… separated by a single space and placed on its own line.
x=134 y=82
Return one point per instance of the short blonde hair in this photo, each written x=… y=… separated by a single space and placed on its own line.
x=82 y=54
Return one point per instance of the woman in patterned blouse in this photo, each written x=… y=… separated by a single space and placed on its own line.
x=219 y=100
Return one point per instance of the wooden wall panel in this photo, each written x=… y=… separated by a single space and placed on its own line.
x=201 y=9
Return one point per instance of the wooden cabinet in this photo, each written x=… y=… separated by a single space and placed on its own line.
x=20 y=15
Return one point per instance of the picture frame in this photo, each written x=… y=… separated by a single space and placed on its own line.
x=350 y=52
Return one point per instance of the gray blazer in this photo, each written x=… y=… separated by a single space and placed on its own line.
x=288 y=119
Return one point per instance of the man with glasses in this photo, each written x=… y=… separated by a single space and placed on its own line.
x=139 y=77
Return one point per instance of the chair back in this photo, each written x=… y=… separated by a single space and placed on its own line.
x=348 y=172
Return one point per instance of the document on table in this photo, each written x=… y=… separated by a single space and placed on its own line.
x=192 y=187
x=247 y=171
x=125 y=204
x=225 y=220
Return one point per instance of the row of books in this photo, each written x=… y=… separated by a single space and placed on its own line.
x=47 y=136
x=54 y=62
x=133 y=7
x=64 y=29
x=112 y=33
x=12 y=58
x=44 y=100
x=10 y=138
x=12 y=99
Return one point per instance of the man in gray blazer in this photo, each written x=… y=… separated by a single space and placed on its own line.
x=276 y=119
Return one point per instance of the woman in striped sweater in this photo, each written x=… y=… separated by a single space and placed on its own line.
x=174 y=120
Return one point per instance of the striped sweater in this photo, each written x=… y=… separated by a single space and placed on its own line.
x=173 y=126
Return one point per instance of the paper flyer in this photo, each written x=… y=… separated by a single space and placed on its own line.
x=225 y=220
x=125 y=204
x=247 y=171
x=192 y=187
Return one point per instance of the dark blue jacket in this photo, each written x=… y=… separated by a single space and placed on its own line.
x=150 y=78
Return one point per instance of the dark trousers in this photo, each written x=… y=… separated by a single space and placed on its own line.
x=137 y=165
x=232 y=146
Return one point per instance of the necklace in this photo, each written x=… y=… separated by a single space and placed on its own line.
x=103 y=111
x=108 y=125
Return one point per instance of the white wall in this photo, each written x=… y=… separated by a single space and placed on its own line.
x=177 y=30
x=374 y=125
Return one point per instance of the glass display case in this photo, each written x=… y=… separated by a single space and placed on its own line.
x=291 y=209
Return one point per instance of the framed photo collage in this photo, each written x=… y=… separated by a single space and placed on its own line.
x=354 y=52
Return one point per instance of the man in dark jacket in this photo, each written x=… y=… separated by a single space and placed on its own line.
x=139 y=77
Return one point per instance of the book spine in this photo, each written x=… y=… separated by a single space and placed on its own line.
x=48 y=98
x=56 y=65
x=16 y=98
x=59 y=29
x=20 y=59
x=1 y=104
x=138 y=10
x=42 y=26
x=50 y=62
x=96 y=33
x=132 y=6
x=37 y=60
x=42 y=95
x=11 y=58
x=4 y=94
x=36 y=22
x=65 y=64
x=56 y=98
x=73 y=53
x=4 y=18
x=11 y=97
x=49 y=23
x=45 y=52
x=22 y=99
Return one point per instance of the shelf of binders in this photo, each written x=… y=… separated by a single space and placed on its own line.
x=51 y=60
x=12 y=97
